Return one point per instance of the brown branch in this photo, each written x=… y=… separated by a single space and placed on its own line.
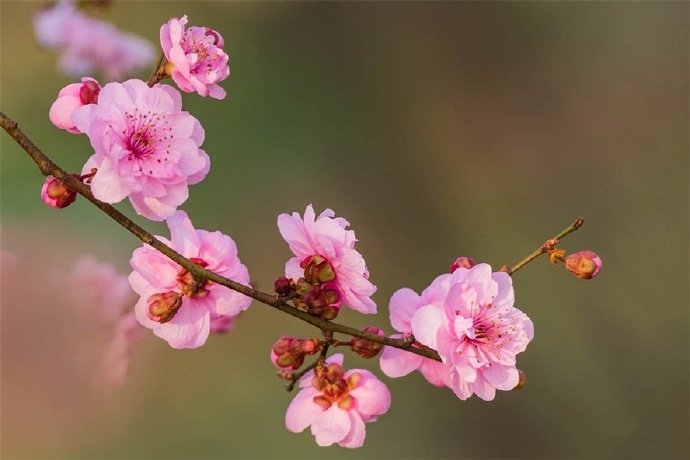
x=47 y=167
x=544 y=247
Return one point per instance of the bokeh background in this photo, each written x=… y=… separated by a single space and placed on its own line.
x=438 y=130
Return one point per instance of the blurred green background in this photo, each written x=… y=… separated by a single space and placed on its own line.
x=438 y=130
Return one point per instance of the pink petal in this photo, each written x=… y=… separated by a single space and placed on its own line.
x=484 y=389
x=435 y=373
x=292 y=230
x=189 y=328
x=107 y=185
x=425 y=325
x=502 y=377
x=398 y=363
x=372 y=397
x=331 y=426
x=184 y=237
x=355 y=438
x=402 y=307
x=302 y=411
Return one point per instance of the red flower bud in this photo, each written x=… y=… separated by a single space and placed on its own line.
x=283 y=286
x=583 y=264
x=463 y=262
x=164 y=306
x=56 y=194
x=89 y=91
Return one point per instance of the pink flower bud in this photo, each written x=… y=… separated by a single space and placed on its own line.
x=463 y=262
x=283 y=286
x=288 y=353
x=366 y=348
x=163 y=307
x=56 y=194
x=583 y=264
x=69 y=99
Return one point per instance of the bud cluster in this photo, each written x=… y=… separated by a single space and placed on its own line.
x=317 y=291
x=366 y=348
x=288 y=353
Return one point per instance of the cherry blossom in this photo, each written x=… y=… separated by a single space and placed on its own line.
x=69 y=99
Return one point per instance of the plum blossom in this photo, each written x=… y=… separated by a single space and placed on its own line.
x=146 y=147
x=397 y=363
x=69 y=99
x=322 y=243
x=476 y=330
x=173 y=304
x=90 y=45
x=196 y=60
x=337 y=404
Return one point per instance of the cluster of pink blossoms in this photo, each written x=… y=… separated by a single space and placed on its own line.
x=147 y=149
x=90 y=45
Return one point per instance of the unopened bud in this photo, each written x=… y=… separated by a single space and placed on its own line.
x=463 y=262
x=311 y=346
x=164 y=306
x=217 y=38
x=56 y=194
x=330 y=313
x=89 y=91
x=584 y=264
x=366 y=348
x=522 y=379
x=288 y=353
x=283 y=285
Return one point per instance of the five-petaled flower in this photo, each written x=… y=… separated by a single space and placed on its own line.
x=146 y=147
x=337 y=404
x=177 y=306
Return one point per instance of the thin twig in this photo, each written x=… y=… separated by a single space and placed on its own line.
x=543 y=248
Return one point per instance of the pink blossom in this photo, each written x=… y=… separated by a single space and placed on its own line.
x=102 y=289
x=584 y=264
x=326 y=237
x=69 y=99
x=196 y=56
x=337 y=404
x=398 y=363
x=188 y=322
x=90 y=45
x=476 y=329
x=146 y=147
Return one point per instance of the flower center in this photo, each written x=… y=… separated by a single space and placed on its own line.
x=191 y=286
x=334 y=387
x=147 y=135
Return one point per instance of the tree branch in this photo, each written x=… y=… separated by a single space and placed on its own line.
x=47 y=167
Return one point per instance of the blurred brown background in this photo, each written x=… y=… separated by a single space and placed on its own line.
x=438 y=130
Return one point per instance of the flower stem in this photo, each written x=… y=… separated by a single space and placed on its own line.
x=156 y=74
